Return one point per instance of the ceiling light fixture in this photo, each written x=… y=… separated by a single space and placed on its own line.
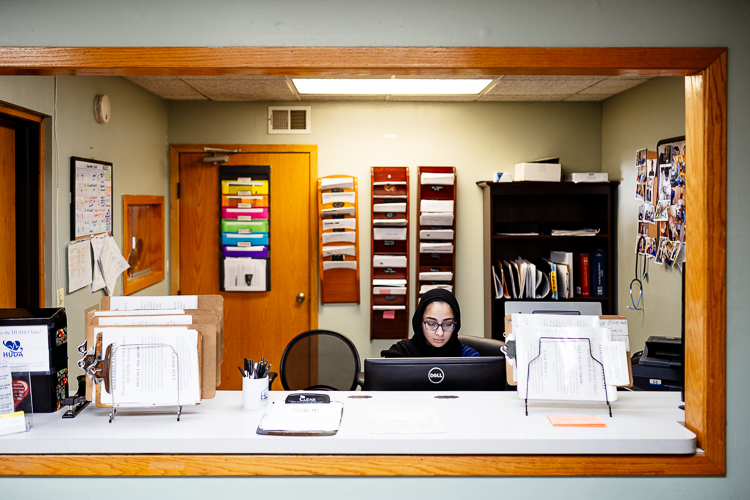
x=320 y=86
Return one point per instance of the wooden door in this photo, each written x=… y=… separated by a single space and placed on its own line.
x=255 y=323
x=7 y=216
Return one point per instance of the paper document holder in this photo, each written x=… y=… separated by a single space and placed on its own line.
x=117 y=355
x=558 y=339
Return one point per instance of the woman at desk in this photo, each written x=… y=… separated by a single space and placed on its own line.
x=436 y=323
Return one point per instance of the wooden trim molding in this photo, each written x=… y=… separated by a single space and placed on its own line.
x=705 y=277
x=355 y=465
x=705 y=332
x=654 y=61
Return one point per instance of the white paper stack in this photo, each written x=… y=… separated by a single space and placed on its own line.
x=436 y=276
x=435 y=247
x=342 y=197
x=438 y=234
x=389 y=261
x=389 y=222
x=339 y=224
x=330 y=212
x=337 y=183
x=389 y=207
x=345 y=237
x=390 y=283
x=427 y=288
x=437 y=178
x=338 y=250
x=383 y=290
x=435 y=219
x=436 y=206
x=389 y=233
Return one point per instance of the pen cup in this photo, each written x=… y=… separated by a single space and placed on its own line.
x=254 y=393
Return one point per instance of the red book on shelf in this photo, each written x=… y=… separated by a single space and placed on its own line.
x=583 y=278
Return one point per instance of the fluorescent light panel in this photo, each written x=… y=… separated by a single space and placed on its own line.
x=343 y=86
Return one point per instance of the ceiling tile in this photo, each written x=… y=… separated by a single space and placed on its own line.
x=614 y=85
x=434 y=98
x=167 y=87
x=242 y=88
x=523 y=97
x=540 y=85
x=588 y=97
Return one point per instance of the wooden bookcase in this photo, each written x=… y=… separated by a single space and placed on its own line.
x=390 y=185
x=539 y=207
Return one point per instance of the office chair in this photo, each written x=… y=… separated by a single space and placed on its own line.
x=483 y=345
x=319 y=360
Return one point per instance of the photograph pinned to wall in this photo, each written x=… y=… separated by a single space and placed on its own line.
x=665 y=154
x=641 y=213
x=662 y=231
x=639 y=192
x=662 y=211
x=640 y=245
x=651 y=168
x=649 y=191
x=640 y=158
x=651 y=247
x=643 y=228
x=675 y=247
x=648 y=213
x=665 y=187
x=662 y=252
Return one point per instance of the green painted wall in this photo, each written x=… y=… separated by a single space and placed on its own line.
x=637 y=119
x=477 y=138
x=542 y=23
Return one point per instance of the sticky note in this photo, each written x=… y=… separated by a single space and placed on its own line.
x=576 y=420
x=389 y=314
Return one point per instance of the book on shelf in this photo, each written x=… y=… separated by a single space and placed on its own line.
x=598 y=274
x=567 y=259
x=583 y=275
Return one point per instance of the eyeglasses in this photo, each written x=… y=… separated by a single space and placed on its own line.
x=432 y=326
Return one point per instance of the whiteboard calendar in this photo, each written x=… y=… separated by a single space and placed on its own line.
x=91 y=197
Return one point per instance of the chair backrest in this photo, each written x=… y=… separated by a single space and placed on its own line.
x=319 y=360
x=483 y=345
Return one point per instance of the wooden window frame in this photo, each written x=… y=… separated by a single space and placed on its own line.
x=155 y=242
x=705 y=71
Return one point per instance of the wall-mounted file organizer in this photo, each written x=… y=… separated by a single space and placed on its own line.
x=389 y=316
x=338 y=227
x=245 y=214
x=436 y=261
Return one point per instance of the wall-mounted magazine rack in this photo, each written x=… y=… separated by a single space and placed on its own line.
x=338 y=227
x=389 y=313
x=573 y=367
x=436 y=261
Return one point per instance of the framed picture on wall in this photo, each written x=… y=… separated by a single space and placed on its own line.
x=90 y=197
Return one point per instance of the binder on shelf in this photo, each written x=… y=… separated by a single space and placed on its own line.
x=389 y=314
x=598 y=272
x=339 y=249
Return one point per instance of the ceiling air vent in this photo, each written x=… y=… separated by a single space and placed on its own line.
x=288 y=119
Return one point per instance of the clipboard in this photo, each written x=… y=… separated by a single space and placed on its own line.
x=207 y=357
x=106 y=363
x=197 y=317
x=281 y=413
x=213 y=302
x=509 y=369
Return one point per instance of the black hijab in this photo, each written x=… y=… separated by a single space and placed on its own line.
x=418 y=346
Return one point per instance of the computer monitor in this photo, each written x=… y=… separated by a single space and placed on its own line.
x=435 y=374
x=547 y=307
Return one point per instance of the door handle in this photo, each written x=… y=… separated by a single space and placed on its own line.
x=300 y=297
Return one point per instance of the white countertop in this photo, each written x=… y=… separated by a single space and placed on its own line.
x=474 y=423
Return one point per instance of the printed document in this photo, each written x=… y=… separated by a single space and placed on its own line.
x=79 y=264
x=149 y=374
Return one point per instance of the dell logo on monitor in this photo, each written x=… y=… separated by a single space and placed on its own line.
x=436 y=375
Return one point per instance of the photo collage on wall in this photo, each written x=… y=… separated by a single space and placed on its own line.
x=660 y=187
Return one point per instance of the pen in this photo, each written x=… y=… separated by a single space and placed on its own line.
x=240 y=369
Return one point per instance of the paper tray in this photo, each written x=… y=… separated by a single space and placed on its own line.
x=290 y=423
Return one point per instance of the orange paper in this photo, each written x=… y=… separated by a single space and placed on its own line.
x=576 y=420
